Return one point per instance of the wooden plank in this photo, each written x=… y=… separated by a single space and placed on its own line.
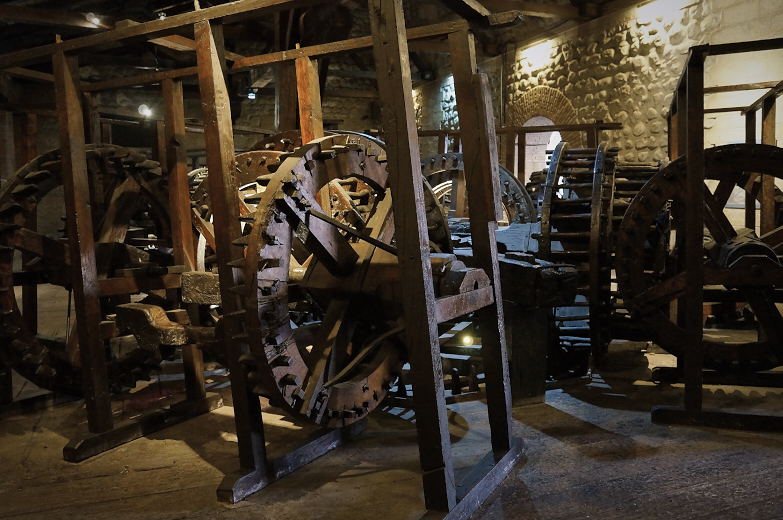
x=309 y=96
x=511 y=152
x=39 y=16
x=768 y=112
x=521 y=152
x=364 y=42
x=80 y=243
x=391 y=56
x=176 y=160
x=286 y=108
x=694 y=228
x=162 y=27
x=224 y=197
x=474 y=106
x=134 y=285
x=737 y=88
x=26 y=132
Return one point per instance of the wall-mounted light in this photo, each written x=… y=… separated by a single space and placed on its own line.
x=145 y=110
x=467 y=340
x=251 y=94
x=93 y=18
x=161 y=16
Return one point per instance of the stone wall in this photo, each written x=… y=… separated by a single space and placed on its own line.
x=624 y=67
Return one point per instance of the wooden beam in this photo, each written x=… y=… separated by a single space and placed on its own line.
x=156 y=28
x=19 y=72
x=773 y=93
x=81 y=244
x=750 y=202
x=286 y=97
x=538 y=10
x=176 y=160
x=224 y=198
x=150 y=78
x=693 y=110
x=181 y=43
x=737 y=88
x=38 y=16
x=421 y=330
x=751 y=46
x=308 y=90
x=365 y=42
x=768 y=112
x=724 y=109
x=468 y=9
x=479 y=151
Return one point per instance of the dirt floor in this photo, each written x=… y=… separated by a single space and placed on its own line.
x=591 y=452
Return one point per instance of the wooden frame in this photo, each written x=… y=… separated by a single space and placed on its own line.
x=686 y=135
x=442 y=495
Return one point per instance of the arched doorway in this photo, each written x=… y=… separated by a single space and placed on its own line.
x=541 y=106
x=536 y=146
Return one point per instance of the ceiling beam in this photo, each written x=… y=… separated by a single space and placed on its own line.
x=37 y=16
x=468 y=9
x=228 y=12
x=537 y=10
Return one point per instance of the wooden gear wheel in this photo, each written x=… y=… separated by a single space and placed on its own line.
x=575 y=204
x=739 y=266
x=442 y=170
x=127 y=183
x=321 y=237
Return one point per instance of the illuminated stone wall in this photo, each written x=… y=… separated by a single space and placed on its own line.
x=624 y=67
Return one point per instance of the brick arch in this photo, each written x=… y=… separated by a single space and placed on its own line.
x=549 y=103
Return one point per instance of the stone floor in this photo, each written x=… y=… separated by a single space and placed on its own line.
x=591 y=452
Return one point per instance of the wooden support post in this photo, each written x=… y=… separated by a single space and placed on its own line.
x=92 y=119
x=768 y=110
x=511 y=152
x=592 y=138
x=521 y=154
x=308 y=90
x=81 y=242
x=442 y=142
x=682 y=121
x=483 y=184
x=286 y=108
x=750 y=201
x=391 y=56
x=158 y=143
x=26 y=131
x=106 y=136
x=176 y=163
x=694 y=230
x=218 y=136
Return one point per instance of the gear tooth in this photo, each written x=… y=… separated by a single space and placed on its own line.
x=242 y=241
x=237 y=263
x=10 y=209
x=210 y=259
x=250 y=217
x=241 y=337
x=238 y=289
x=37 y=176
x=140 y=374
x=290 y=380
x=23 y=191
x=8 y=330
x=283 y=361
x=299 y=393
x=236 y=314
